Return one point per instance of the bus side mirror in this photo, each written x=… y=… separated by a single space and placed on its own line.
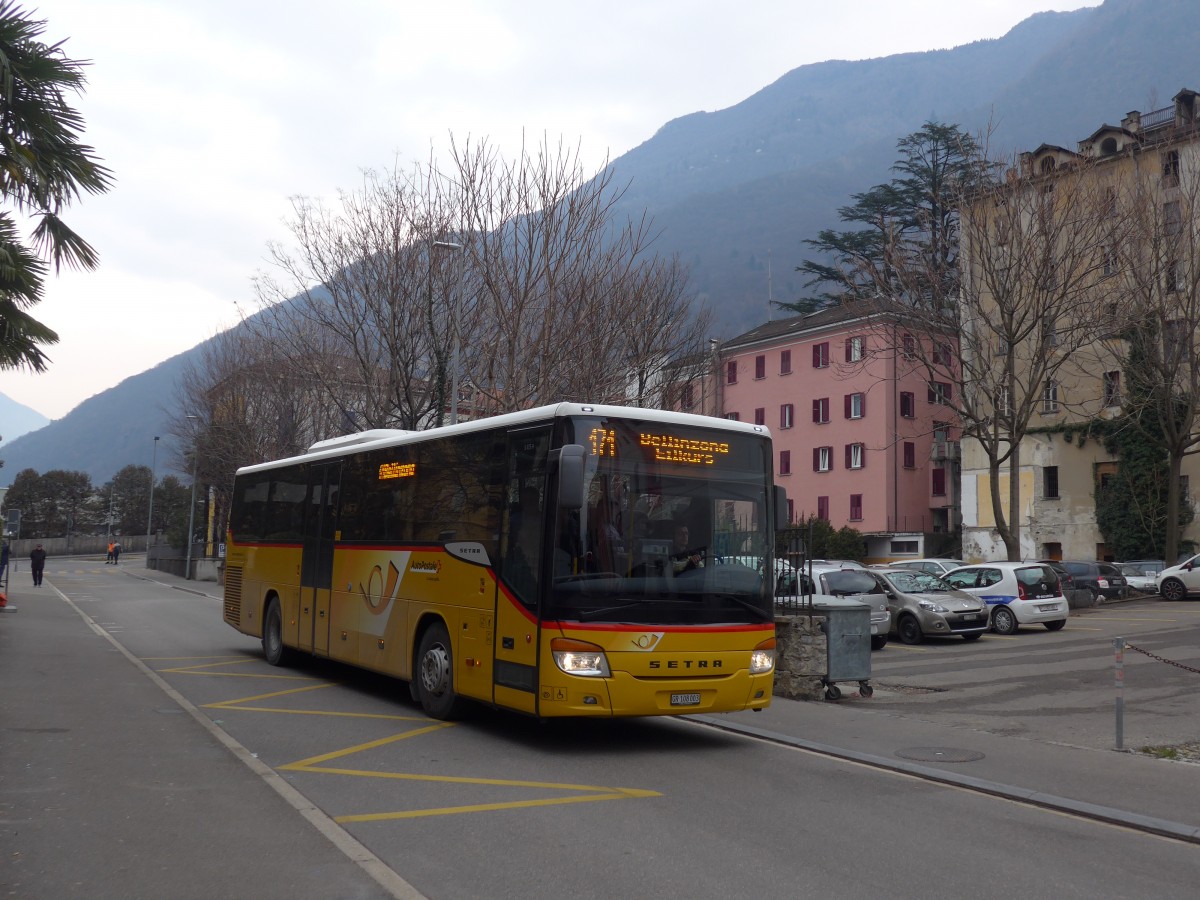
x=570 y=477
x=781 y=517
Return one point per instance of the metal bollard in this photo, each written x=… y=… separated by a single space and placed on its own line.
x=1119 y=648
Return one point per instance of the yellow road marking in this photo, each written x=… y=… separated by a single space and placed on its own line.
x=488 y=807
x=585 y=793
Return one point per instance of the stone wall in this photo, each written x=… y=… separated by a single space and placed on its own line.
x=801 y=657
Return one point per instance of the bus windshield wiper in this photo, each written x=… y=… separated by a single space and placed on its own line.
x=763 y=614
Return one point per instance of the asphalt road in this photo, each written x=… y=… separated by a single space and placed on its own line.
x=153 y=753
x=1058 y=687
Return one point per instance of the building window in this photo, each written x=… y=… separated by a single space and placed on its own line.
x=731 y=372
x=823 y=508
x=856 y=456
x=760 y=416
x=1112 y=388
x=1050 y=482
x=938 y=487
x=785 y=362
x=822 y=459
x=785 y=462
x=908 y=404
x=1110 y=202
x=688 y=397
x=854 y=349
x=941 y=431
x=821 y=411
x=1050 y=397
x=760 y=367
x=1174 y=277
x=821 y=355
x=1004 y=400
x=786 y=412
x=1171 y=168
x=856 y=406
x=1175 y=342
x=1050 y=331
x=940 y=392
x=942 y=354
x=904 y=547
x=1172 y=219
x=856 y=508
x=910 y=455
x=1108 y=261
x=1052 y=550
x=908 y=345
x=734 y=417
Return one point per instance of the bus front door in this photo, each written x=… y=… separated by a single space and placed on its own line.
x=515 y=671
x=316 y=563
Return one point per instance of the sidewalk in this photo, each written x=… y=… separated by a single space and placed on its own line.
x=109 y=789
x=1126 y=788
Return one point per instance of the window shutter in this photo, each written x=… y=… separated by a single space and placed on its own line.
x=849 y=450
x=816 y=459
x=849 y=410
x=817 y=411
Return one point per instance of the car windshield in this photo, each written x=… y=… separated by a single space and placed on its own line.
x=918 y=583
x=850 y=581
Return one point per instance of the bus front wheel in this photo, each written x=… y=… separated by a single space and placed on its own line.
x=435 y=674
x=272 y=636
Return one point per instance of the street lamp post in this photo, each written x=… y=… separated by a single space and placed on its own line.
x=462 y=263
x=150 y=514
x=187 y=571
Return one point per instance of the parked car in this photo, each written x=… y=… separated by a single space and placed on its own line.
x=839 y=563
x=933 y=565
x=1181 y=581
x=1100 y=579
x=1018 y=593
x=857 y=583
x=1067 y=579
x=923 y=604
x=1139 y=578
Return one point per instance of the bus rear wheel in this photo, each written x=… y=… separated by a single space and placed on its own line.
x=272 y=636
x=435 y=674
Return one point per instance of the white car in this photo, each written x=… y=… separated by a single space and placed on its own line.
x=1138 y=579
x=1178 y=582
x=857 y=583
x=1018 y=593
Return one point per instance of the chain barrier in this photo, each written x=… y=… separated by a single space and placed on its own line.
x=1169 y=662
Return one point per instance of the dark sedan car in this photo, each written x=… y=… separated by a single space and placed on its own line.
x=1099 y=579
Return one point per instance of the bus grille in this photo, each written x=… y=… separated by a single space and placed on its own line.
x=233 y=595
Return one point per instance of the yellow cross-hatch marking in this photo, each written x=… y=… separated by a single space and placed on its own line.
x=579 y=793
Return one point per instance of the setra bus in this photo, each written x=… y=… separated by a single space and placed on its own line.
x=571 y=560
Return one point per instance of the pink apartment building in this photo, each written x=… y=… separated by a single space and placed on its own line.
x=863 y=435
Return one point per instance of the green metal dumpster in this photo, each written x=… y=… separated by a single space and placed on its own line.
x=847 y=628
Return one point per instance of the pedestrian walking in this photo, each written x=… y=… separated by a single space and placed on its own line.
x=37 y=562
x=116 y=552
x=109 y=557
x=3 y=561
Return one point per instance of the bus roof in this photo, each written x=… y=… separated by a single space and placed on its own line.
x=387 y=437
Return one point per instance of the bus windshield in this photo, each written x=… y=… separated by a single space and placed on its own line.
x=673 y=531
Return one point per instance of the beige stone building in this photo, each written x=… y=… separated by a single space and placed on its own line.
x=1121 y=247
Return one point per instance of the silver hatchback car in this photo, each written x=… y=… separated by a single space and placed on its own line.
x=923 y=604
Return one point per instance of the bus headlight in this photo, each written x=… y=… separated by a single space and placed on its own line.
x=762 y=659
x=580 y=658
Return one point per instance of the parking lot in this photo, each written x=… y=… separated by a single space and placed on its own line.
x=1060 y=686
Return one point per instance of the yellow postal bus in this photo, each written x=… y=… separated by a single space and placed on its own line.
x=571 y=560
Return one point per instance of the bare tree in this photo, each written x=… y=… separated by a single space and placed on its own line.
x=1034 y=306
x=573 y=301
x=1157 y=266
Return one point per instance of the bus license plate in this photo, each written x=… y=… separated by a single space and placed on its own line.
x=685 y=699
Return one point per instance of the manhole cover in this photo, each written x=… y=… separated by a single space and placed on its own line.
x=939 y=754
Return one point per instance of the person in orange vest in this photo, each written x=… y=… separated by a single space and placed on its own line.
x=109 y=557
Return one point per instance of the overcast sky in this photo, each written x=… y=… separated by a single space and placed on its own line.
x=212 y=114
